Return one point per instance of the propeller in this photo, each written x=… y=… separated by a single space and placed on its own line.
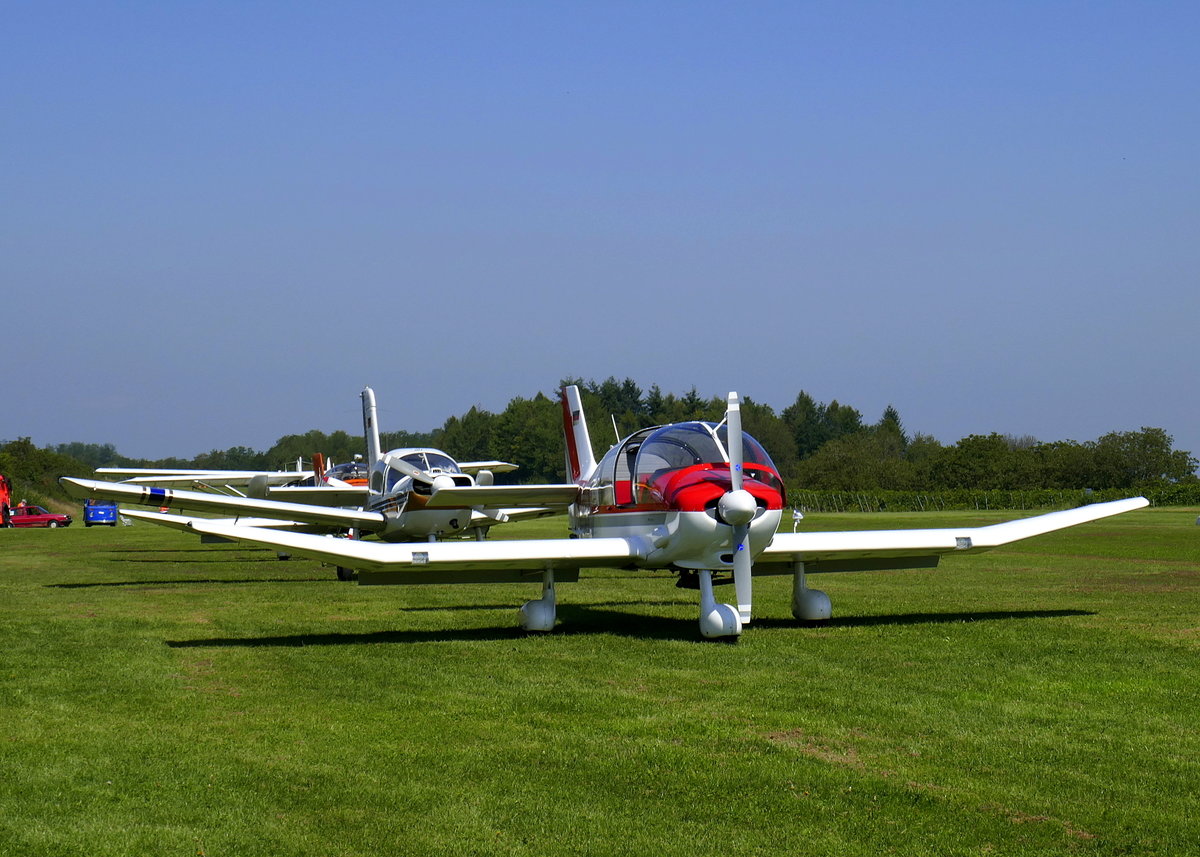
x=412 y=470
x=738 y=508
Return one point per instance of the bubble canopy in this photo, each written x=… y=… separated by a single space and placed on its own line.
x=680 y=466
x=687 y=444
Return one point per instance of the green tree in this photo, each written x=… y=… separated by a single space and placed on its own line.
x=842 y=420
x=529 y=433
x=985 y=462
x=889 y=425
x=338 y=447
x=855 y=462
x=1139 y=458
x=805 y=418
x=765 y=426
x=1066 y=465
x=34 y=472
x=469 y=437
x=92 y=454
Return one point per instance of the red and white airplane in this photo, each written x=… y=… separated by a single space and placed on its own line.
x=694 y=497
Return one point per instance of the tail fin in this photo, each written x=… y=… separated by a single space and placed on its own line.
x=370 y=426
x=580 y=459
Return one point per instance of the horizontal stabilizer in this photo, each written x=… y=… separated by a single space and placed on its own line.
x=494 y=466
x=321 y=495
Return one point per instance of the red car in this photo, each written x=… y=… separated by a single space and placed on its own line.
x=36 y=516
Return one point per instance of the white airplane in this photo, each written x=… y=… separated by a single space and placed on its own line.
x=694 y=497
x=417 y=493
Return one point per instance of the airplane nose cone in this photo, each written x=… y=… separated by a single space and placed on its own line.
x=440 y=482
x=737 y=508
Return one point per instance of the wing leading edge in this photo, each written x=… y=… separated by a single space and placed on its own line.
x=868 y=550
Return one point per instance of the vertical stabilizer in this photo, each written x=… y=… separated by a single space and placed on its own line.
x=371 y=426
x=580 y=459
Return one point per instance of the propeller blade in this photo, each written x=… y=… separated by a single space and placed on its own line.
x=733 y=431
x=744 y=514
x=410 y=470
x=742 y=571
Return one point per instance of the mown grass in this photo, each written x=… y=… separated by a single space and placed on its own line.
x=161 y=697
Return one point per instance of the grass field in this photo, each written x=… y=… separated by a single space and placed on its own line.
x=160 y=697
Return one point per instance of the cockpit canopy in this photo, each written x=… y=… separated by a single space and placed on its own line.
x=352 y=472
x=650 y=466
x=431 y=461
x=687 y=444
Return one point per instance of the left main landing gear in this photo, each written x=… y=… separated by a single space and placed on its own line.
x=716 y=620
x=808 y=605
x=539 y=615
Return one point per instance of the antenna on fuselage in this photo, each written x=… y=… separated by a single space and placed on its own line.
x=616 y=431
x=371 y=425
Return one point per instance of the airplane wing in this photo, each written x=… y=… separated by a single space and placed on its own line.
x=139 y=495
x=503 y=495
x=438 y=562
x=868 y=550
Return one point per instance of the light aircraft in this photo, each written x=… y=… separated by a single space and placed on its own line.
x=694 y=497
x=350 y=480
x=397 y=504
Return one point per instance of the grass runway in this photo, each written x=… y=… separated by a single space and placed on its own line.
x=162 y=697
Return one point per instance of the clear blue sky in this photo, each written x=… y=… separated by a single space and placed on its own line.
x=220 y=220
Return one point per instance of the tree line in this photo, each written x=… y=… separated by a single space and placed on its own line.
x=816 y=446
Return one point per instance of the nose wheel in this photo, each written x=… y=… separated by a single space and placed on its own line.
x=716 y=620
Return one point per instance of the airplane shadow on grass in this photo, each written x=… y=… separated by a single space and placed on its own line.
x=580 y=619
x=195 y=560
x=922 y=618
x=213 y=549
x=177 y=581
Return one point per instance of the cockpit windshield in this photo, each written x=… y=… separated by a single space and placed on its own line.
x=752 y=451
x=676 y=446
x=432 y=461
